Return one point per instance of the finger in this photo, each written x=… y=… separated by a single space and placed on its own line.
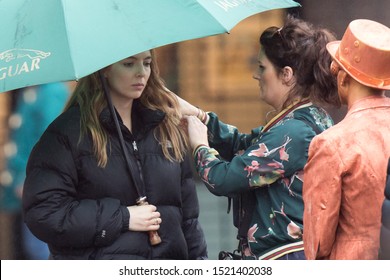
x=154 y=227
x=186 y=118
x=155 y=221
x=152 y=207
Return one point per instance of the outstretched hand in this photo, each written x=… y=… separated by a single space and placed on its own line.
x=144 y=218
x=197 y=131
x=186 y=108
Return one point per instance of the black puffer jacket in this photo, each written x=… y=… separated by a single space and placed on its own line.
x=384 y=253
x=80 y=209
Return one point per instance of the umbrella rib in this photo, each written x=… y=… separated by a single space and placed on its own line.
x=63 y=4
x=212 y=16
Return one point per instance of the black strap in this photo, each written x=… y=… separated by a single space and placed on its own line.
x=132 y=167
x=246 y=207
x=313 y=126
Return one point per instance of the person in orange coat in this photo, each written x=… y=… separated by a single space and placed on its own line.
x=345 y=175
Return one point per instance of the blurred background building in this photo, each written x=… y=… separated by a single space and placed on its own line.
x=215 y=73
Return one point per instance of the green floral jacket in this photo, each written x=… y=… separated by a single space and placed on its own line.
x=269 y=160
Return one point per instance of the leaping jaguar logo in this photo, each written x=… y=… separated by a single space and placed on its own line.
x=19 y=67
x=18 y=53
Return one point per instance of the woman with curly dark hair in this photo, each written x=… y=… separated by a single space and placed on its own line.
x=264 y=169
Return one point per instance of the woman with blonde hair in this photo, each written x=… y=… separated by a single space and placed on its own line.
x=79 y=196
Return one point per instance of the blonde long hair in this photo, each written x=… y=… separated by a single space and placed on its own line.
x=89 y=96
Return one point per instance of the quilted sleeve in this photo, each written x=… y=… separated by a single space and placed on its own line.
x=51 y=209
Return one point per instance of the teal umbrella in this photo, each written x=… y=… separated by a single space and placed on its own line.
x=45 y=41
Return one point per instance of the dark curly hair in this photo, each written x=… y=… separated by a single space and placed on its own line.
x=301 y=46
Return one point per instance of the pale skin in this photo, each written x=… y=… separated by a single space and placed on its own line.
x=126 y=80
x=274 y=87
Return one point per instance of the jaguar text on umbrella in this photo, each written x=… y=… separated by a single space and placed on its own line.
x=16 y=66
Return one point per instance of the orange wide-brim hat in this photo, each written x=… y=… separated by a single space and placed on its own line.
x=364 y=53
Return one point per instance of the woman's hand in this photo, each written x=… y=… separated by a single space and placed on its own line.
x=197 y=131
x=186 y=108
x=144 y=218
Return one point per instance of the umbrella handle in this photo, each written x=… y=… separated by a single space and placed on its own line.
x=154 y=238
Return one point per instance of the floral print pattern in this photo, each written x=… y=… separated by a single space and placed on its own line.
x=270 y=162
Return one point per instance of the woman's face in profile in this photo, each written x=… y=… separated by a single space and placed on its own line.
x=270 y=83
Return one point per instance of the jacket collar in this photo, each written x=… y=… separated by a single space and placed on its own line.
x=294 y=106
x=144 y=119
x=369 y=103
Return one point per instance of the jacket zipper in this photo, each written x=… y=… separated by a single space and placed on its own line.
x=136 y=153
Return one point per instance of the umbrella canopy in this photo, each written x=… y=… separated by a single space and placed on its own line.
x=45 y=41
